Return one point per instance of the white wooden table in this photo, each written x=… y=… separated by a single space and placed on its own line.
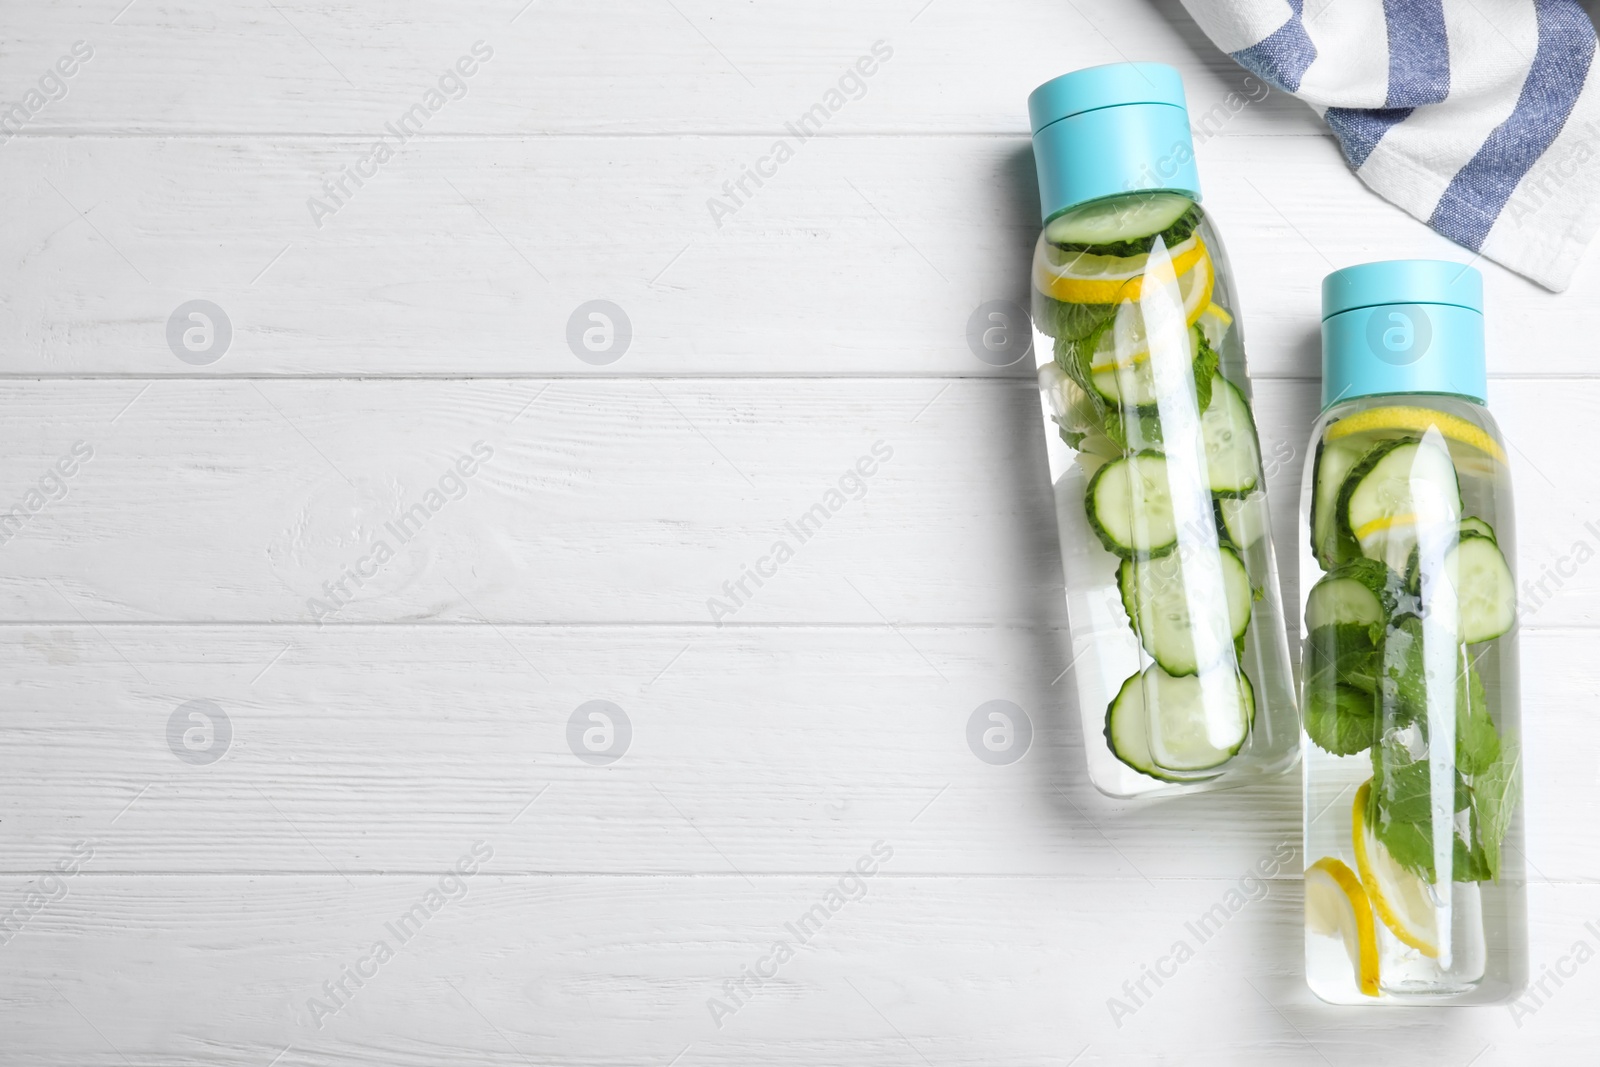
x=350 y=754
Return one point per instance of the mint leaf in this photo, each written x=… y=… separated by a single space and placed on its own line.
x=1339 y=719
x=1400 y=786
x=1403 y=687
x=1494 y=793
x=1403 y=680
x=1411 y=845
x=1073 y=438
x=1341 y=676
x=1074 y=355
x=1205 y=369
x=1144 y=431
x=1343 y=653
x=1470 y=863
x=1477 y=740
x=1403 y=786
x=1068 y=322
x=1400 y=809
x=1486 y=765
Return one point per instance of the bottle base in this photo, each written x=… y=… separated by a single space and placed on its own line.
x=1134 y=786
x=1481 y=996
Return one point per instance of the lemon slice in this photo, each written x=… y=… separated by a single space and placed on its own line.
x=1384 y=523
x=1417 y=420
x=1336 y=904
x=1127 y=344
x=1214 y=322
x=1195 y=286
x=1400 y=898
x=1090 y=279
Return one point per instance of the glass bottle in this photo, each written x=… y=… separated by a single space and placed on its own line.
x=1179 y=656
x=1415 y=882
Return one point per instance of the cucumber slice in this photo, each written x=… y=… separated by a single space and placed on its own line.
x=1362 y=591
x=1244 y=518
x=1396 y=487
x=1181 y=710
x=1129 y=504
x=1190 y=724
x=1128 y=732
x=1485 y=593
x=1329 y=544
x=1199 y=722
x=1132 y=384
x=1233 y=458
x=1180 y=631
x=1127 y=222
x=1474 y=525
x=1342 y=600
x=1123 y=383
x=1135 y=383
x=1486 y=597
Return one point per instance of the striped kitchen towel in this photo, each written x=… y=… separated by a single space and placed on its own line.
x=1480 y=117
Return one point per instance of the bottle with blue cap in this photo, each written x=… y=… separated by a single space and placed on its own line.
x=1180 y=657
x=1415 y=887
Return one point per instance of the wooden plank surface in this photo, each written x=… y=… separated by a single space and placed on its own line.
x=371 y=749
x=594 y=971
x=863 y=255
x=368 y=743
x=633 y=67
x=622 y=500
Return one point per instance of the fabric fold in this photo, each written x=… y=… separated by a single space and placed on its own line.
x=1475 y=116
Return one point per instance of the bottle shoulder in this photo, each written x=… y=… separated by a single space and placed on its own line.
x=1410 y=413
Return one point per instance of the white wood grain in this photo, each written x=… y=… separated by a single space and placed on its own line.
x=828 y=313
x=468 y=256
x=755 y=749
x=633 y=67
x=602 y=971
x=620 y=500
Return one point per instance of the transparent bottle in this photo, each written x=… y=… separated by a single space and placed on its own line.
x=1179 y=656
x=1415 y=882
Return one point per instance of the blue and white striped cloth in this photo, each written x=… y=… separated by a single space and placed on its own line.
x=1478 y=116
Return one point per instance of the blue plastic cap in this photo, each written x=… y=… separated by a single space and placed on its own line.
x=1402 y=281
x=1113 y=85
x=1403 y=326
x=1106 y=131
